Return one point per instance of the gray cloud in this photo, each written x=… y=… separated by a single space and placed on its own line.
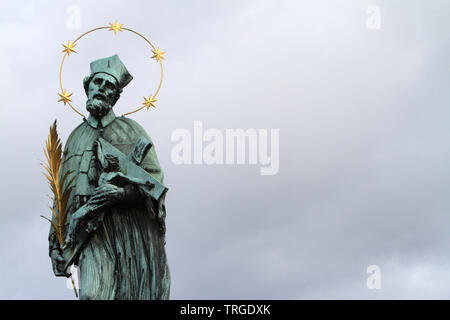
x=363 y=118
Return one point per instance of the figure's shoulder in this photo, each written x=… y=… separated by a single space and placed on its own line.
x=77 y=133
x=78 y=130
x=130 y=126
x=130 y=122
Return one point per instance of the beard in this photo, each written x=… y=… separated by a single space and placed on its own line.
x=98 y=108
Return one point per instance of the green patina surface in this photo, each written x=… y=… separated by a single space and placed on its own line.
x=122 y=254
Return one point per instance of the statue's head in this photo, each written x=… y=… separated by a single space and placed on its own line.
x=105 y=84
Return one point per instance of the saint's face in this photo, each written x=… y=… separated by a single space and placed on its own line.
x=102 y=94
x=103 y=87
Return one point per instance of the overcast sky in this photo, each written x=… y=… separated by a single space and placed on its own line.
x=363 y=116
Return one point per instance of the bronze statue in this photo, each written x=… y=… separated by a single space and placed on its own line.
x=115 y=220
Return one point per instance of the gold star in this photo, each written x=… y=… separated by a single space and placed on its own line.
x=68 y=48
x=116 y=27
x=158 y=54
x=150 y=101
x=65 y=97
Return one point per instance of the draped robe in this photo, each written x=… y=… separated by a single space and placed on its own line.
x=125 y=257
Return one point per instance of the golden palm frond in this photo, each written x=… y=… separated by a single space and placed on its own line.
x=61 y=186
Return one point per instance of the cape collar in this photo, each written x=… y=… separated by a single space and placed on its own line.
x=106 y=120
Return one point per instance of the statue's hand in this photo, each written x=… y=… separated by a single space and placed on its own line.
x=69 y=240
x=58 y=263
x=107 y=195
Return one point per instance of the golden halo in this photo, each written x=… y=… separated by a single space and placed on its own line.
x=158 y=55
